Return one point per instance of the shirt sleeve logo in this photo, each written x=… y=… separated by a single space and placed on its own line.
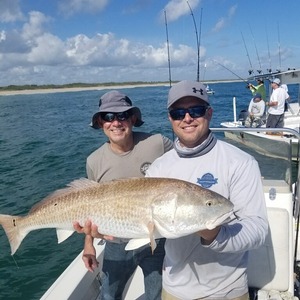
x=144 y=167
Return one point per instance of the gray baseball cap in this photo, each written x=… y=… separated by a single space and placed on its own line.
x=116 y=102
x=187 y=88
x=276 y=80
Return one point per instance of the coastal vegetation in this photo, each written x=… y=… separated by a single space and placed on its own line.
x=70 y=85
x=87 y=85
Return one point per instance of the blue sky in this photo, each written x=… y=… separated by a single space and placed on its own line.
x=93 y=41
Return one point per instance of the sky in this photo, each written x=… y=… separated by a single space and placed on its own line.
x=99 y=41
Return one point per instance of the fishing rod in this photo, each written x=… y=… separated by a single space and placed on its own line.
x=270 y=68
x=251 y=70
x=279 y=51
x=169 y=61
x=200 y=30
x=259 y=71
x=197 y=40
x=244 y=80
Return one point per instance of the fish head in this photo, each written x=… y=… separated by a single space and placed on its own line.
x=180 y=213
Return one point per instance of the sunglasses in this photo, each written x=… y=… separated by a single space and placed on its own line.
x=194 y=112
x=110 y=117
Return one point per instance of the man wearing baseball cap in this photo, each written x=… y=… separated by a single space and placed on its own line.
x=276 y=104
x=259 y=88
x=125 y=154
x=211 y=264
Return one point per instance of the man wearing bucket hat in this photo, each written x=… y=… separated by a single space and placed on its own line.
x=126 y=154
x=210 y=264
x=276 y=104
x=115 y=102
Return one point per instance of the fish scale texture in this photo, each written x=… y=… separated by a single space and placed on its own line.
x=127 y=209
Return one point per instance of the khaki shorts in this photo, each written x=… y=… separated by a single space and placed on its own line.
x=166 y=296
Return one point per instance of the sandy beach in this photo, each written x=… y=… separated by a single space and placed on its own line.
x=96 y=88
x=77 y=89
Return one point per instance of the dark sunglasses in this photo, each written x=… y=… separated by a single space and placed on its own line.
x=194 y=112
x=110 y=117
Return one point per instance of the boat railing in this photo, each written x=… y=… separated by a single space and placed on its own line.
x=291 y=131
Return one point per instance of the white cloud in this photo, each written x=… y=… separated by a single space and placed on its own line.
x=232 y=11
x=48 y=50
x=223 y=21
x=35 y=25
x=100 y=58
x=71 y=7
x=178 y=8
x=219 y=25
x=2 y=36
x=33 y=55
x=10 y=11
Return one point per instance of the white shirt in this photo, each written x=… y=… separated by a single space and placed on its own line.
x=192 y=270
x=257 y=108
x=278 y=95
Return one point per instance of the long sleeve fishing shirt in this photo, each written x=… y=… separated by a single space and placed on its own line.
x=192 y=270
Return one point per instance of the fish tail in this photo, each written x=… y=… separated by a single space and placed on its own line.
x=14 y=233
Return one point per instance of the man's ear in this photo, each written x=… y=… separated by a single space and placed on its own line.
x=99 y=122
x=133 y=119
x=209 y=113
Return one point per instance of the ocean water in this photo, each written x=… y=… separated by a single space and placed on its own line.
x=44 y=142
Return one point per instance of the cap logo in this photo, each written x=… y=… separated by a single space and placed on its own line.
x=195 y=91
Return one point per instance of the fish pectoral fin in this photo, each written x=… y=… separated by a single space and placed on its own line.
x=137 y=243
x=63 y=234
x=151 y=228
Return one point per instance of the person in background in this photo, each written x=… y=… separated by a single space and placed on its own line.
x=211 y=264
x=259 y=88
x=126 y=154
x=256 y=111
x=275 y=106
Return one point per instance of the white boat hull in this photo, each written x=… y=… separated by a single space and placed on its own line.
x=271 y=145
x=77 y=283
x=274 y=145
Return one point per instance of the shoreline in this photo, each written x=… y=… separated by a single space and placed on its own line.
x=93 y=88
x=76 y=89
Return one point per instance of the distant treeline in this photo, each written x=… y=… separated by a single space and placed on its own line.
x=80 y=85
x=70 y=85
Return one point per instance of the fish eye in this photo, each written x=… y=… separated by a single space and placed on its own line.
x=208 y=203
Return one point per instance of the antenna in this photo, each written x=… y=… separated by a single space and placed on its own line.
x=169 y=62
